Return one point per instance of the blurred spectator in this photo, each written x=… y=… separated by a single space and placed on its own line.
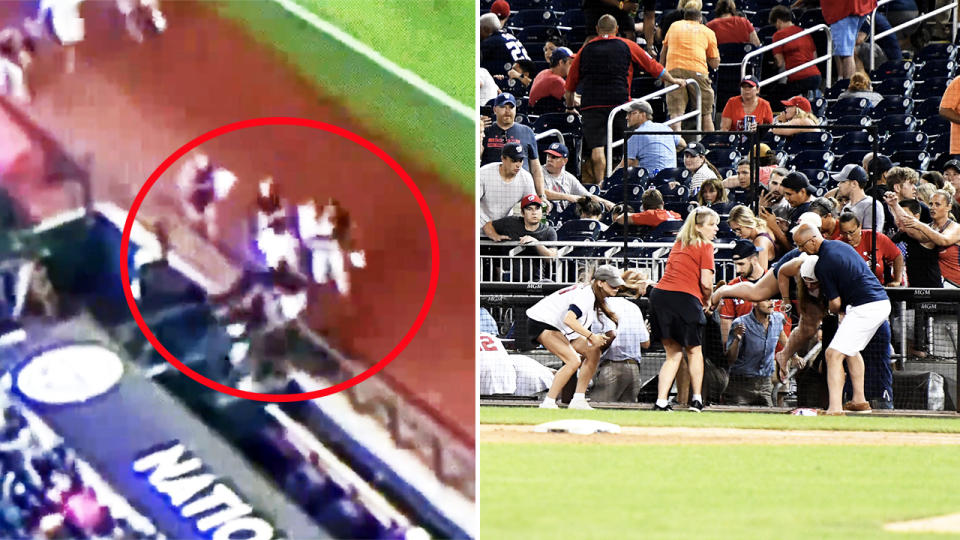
x=951 y=175
x=499 y=49
x=487 y=88
x=773 y=200
x=924 y=192
x=750 y=350
x=505 y=131
x=950 y=109
x=747 y=104
x=767 y=162
x=864 y=240
x=730 y=26
x=695 y=161
x=828 y=210
x=523 y=71
x=745 y=225
x=877 y=166
x=487 y=323
x=942 y=232
x=605 y=68
x=861 y=87
x=622 y=12
x=899 y=12
x=503 y=184
x=653 y=213
x=549 y=83
x=652 y=153
x=922 y=260
x=561 y=185
x=797 y=116
x=712 y=194
x=851 y=181
x=554 y=42
x=502 y=10
x=903 y=182
x=845 y=19
x=618 y=376
x=16 y=55
x=689 y=52
x=742 y=190
x=931 y=177
x=885 y=49
x=793 y=54
x=202 y=184
x=527 y=228
x=141 y=16
x=588 y=209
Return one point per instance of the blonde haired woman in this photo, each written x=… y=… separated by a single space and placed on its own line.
x=797 y=117
x=561 y=323
x=745 y=224
x=678 y=301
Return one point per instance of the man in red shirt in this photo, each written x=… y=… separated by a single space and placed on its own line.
x=653 y=213
x=862 y=241
x=747 y=264
x=794 y=53
x=550 y=82
x=845 y=18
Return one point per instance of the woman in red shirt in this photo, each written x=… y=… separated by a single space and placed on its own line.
x=730 y=26
x=794 y=53
x=748 y=102
x=678 y=301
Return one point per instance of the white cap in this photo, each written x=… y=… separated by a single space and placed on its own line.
x=808 y=218
x=808 y=266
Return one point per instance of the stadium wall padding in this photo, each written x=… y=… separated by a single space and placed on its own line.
x=429 y=133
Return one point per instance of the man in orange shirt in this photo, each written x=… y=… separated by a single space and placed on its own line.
x=653 y=213
x=950 y=109
x=689 y=50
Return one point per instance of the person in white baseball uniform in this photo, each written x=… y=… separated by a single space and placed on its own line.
x=16 y=55
x=561 y=323
x=328 y=237
x=275 y=239
x=63 y=22
x=202 y=183
x=141 y=15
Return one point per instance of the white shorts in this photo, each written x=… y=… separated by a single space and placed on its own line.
x=858 y=326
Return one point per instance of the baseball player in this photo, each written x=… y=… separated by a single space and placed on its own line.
x=202 y=184
x=142 y=15
x=63 y=22
x=276 y=240
x=327 y=236
x=16 y=54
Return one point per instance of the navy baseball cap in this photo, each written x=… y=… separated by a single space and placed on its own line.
x=797 y=181
x=503 y=99
x=743 y=249
x=852 y=171
x=513 y=151
x=750 y=80
x=695 y=149
x=557 y=149
x=952 y=164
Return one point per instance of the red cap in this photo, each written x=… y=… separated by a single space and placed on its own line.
x=501 y=8
x=531 y=199
x=798 y=101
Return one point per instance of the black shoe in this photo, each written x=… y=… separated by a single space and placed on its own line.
x=696 y=406
x=668 y=408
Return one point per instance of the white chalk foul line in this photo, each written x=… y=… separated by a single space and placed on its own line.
x=406 y=75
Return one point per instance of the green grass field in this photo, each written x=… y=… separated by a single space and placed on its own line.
x=432 y=38
x=590 y=490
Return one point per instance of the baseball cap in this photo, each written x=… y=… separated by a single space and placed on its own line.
x=642 y=106
x=743 y=249
x=610 y=274
x=808 y=266
x=808 y=218
x=798 y=101
x=559 y=54
x=501 y=8
x=952 y=164
x=695 y=149
x=503 y=99
x=531 y=199
x=879 y=164
x=750 y=80
x=513 y=151
x=557 y=149
x=851 y=171
x=797 y=181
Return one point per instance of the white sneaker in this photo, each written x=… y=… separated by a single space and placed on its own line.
x=543 y=405
x=580 y=404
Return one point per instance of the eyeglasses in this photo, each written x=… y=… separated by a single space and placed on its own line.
x=848 y=234
x=805 y=242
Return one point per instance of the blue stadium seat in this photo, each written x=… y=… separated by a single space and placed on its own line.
x=578 y=230
x=535 y=33
x=723 y=157
x=765 y=32
x=905 y=141
x=895 y=86
x=909 y=158
x=927 y=108
x=817 y=177
x=894 y=68
x=838 y=88
x=848 y=107
x=936 y=125
x=573 y=18
x=565 y=123
x=810 y=18
x=523 y=18
x=642 y=86
x=854 y=156
x=720 y=139
x=892 y=105
x=896 y=123
x=812 y=159
x=852 y=141
x=809 y=141
x=937 y=51
x=861 y=121
x=671 y=195
x=818 y=106
x=665 y=232
x=932 y=88
x=671 y=175
x=936 y=68
x=566 y=5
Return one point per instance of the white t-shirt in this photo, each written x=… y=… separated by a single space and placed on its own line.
x=498 y=197
x=631 y=331
x=563 y=183
x=487 y=88
x=553 y=308
x=703 y=173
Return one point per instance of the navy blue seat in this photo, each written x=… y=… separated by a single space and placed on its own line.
x=927 y=108
x=853 y=140
x=816 y=176
x=818 y=106
x=812 y=159
x=905 y=141
x=535 y=32
x=848 y=107
x=911 y=158
x=573 y=18
x=936 y=68
x=565 y=123
x=809 y=141
x=578 y=230
x=892 y=105
x=861 y=121
x=723 y=157
x=936 y=125
x=665 y=232
x=671 y=175
x=937 y=51
x=524 y=18
x=852 y=157
x=720 y=139
x=932 y=88
x=894 y=68
x=895 y=86
x=896 y=123
x=838 y=88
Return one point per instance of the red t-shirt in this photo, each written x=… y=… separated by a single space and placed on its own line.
x=731 y=308
x=546 y=83
x=652 y=218
x=835 y=10
x=796 y=52
x=887 y=251
x=734 y=111
x=682 y=273
x=731 y=29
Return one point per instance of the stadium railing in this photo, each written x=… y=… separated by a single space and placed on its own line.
x=691 y=83
x=874 y=36
x=824 y=58
x=551 y=133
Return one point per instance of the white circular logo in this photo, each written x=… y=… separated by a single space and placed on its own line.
x=70 y=374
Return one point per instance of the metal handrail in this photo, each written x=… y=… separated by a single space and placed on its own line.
x=549 y=132
x=874 y=36
x=697 y=112
x=791 y=71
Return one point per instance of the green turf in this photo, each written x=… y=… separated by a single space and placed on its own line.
x=428 y=133
x=530 y=415
x=591 y=491
x=432 y=38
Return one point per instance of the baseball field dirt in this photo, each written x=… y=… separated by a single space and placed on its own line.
x=131 y=105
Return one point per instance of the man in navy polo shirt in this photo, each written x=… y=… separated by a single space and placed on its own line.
x=848 y=286
x=504 y=131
